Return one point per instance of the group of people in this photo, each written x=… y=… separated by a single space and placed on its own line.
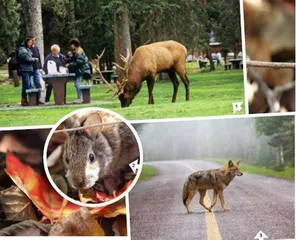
x=202 y=60
x=29 y=67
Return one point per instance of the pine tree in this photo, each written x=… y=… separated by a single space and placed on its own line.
x=9 y=24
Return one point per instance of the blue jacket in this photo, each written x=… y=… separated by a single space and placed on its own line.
x=59 y=60
x=26 y=59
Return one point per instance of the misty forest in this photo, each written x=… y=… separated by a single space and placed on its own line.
x=261 y=141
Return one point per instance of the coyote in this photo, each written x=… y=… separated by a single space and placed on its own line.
x=216 y=179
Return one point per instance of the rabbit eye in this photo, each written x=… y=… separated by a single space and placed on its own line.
x=91 y=158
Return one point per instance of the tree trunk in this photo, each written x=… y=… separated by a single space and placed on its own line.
x=159 y=36
x=163 y=76
x=72 y=18
x=281 y=154
x=33 y=21
x=122 y=38
x=212 y=65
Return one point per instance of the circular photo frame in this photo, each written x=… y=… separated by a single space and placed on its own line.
x=93 y=157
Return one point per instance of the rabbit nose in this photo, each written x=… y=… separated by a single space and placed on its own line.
x=79 y=184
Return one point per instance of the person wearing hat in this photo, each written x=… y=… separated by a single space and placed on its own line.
x=78 y=65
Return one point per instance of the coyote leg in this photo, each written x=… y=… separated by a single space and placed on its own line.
x=190 y=196
x=202 y=196
x=222 y=201
x=214 y=201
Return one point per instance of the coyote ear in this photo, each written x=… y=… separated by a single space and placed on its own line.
x=230 y=163
x=238 y=162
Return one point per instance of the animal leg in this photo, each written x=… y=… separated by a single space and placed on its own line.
x=222 y=201
x=175 y=82
x=185 y=80
x=214 y=201
x=190 y=196
x=201 y=199
x=150 y=85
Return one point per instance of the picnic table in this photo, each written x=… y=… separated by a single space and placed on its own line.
x=235 y=63
x=107 y=75
x=59 y=82
x=202 y=63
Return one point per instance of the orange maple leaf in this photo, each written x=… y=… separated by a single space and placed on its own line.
x=38 y=189
x=52 y=205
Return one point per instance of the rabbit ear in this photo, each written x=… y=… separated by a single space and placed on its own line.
x=92 y=119
x=71 y=122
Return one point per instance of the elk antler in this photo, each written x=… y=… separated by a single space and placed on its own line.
x=97 y=68
x=124 y=69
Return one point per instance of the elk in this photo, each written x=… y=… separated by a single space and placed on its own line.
x=146 y=63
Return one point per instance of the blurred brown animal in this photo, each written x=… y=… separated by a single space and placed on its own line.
x=270 y=37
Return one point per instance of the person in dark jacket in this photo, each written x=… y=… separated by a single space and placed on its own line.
x=78 y=65
x=13 y=67
x=36 y=67
x=59 y=59
x=26 y=68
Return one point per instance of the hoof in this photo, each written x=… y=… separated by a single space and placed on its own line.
x=210 y=210
x=190 y=212
x=226 y=209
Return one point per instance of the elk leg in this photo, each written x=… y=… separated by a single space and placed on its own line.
x=150 y=85
x=185 y=81
x=175 y=82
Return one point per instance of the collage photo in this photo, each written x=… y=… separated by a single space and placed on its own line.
x=147 y=119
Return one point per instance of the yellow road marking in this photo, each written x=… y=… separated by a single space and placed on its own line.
x=212 y=226
x=211 y=223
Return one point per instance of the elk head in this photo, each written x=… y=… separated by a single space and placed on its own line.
x=126 y=92
x=123 y=91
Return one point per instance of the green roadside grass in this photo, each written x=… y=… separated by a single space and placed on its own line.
x=147 y=173
x=287 y=173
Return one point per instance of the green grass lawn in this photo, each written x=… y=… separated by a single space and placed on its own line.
x=288 y=173
x=212 y=94
x=147 y=173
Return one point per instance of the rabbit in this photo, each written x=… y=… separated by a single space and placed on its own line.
x=98 y=155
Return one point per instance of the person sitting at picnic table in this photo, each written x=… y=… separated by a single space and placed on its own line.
x=59 y=60
x=27 y=61
x=79 y=65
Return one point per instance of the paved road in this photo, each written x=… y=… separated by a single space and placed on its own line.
x=255 y=202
